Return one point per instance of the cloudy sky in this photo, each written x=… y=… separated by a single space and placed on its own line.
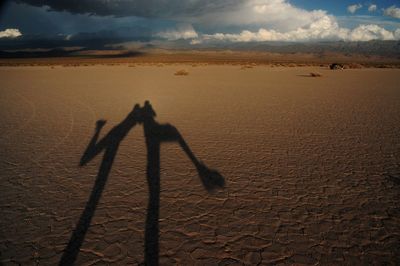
x=199 y=21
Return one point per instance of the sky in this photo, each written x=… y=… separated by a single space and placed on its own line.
x=197 y=22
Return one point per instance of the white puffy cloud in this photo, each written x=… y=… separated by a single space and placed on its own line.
x=372 y=8
x=324 y=29
x=370 y=32
x=277 y=14
x=10 y=33
x=392 y=11
x=184 y=32
x=353 y=8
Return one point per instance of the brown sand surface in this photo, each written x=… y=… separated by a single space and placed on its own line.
x=311 y=165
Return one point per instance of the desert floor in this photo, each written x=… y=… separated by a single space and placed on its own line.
x=311 y=165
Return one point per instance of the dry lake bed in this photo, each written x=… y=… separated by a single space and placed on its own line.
x=311 y=165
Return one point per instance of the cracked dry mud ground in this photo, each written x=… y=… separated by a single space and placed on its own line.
x=311 y=165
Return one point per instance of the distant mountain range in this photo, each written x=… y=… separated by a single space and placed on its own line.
x=63 y=46
x=378 y=48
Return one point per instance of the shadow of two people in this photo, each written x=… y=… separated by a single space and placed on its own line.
x=155 y=134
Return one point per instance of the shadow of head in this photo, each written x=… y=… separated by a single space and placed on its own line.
x=136 y=114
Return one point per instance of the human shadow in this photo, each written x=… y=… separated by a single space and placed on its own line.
x=155 y=134
x=109 y=144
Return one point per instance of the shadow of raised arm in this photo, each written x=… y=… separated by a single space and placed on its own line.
x=94 y=147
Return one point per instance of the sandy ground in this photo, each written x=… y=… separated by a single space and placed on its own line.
x=311 y=165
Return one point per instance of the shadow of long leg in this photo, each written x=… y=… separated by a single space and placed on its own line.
x=76 y=240
x=153 y=208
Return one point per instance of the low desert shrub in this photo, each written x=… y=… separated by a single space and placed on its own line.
x=181 y=72
x=315 y=75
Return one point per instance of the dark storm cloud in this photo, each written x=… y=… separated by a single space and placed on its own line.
x=141 y=8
